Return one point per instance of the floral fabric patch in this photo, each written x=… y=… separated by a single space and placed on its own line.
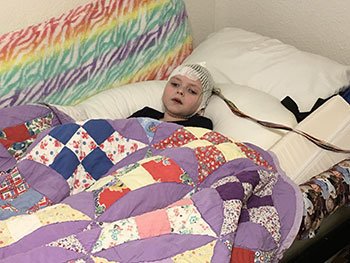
x=150 y=126
x=267 y=181
x=186 y=219
x=267 y=217
x=232 y=210
x=18 y=138
x=60 y=213
x=80 y=180
x=215 y=138
x=177 y=139
x=209 y=159
x=46 y=151
x=70 y=243
x=116 y=233
x=254 y=156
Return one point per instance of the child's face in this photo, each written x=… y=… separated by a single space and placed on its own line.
x=182 y=96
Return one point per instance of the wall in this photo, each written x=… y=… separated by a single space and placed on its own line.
x=319 y=26
x=202 y=18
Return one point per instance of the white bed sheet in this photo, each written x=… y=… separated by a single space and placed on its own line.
x=300 y=158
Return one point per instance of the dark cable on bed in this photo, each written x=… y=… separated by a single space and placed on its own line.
x=320 y=143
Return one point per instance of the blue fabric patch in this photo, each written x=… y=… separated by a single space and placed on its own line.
x=22 y=203
x=65 y=163
x=97 y=163
x=346 y=95
x=4 y=214
x=64 y=132
x=99 y=130
x=27 y=199
x=150 y=126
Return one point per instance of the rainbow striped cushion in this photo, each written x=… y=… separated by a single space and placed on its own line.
x=104 y=44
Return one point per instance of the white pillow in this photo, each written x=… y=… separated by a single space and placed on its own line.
x=255 y=103
x=121 y=102
x=249 y=59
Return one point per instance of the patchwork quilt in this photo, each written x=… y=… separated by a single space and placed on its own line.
x=140 y=190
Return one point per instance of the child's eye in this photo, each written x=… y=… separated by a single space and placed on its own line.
x=174 y=84
x=191 y=91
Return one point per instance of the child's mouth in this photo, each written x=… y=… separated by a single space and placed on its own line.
x=177 y=101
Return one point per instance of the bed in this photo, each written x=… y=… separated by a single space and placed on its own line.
x=85 y=184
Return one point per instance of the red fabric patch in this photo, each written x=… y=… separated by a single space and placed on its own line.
x=177 y=139
x=165 y=170
x=242 y=255
x=14 y=134
x=17 y=133
x=107 y=197
x=209 y=159
x=7 y=144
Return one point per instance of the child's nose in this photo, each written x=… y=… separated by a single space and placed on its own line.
x=180 y=91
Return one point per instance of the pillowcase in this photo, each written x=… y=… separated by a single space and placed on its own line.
x=118 y=102
x=19 y=126
x=234 y=55
x=121 y=102
x=254 y=103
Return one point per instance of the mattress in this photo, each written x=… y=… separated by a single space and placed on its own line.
x=301 y=159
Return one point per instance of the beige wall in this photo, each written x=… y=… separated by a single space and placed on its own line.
x=202 y=18
x=319 y=26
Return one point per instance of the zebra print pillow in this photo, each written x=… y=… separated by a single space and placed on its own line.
x=92 y=47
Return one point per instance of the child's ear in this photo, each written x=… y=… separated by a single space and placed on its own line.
x=200 y=112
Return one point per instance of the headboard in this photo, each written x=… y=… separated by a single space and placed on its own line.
x=91 y=48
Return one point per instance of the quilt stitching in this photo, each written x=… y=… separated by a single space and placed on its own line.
x=245 y=196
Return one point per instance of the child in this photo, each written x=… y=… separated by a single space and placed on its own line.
x=187 y=94
x=185 y=97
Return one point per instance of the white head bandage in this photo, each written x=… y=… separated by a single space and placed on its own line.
x=195 y=72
